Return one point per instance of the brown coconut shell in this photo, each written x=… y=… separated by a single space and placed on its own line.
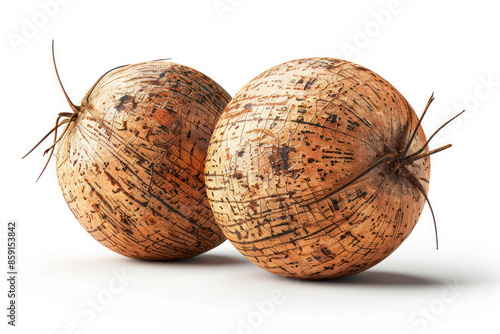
x=305 y=174
x=130 y=164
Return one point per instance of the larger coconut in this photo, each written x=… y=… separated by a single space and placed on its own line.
x=289 y=175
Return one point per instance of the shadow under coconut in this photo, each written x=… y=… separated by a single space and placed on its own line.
x=199 y=260
x=93 y=267
x=372 y=278
x=381 y=278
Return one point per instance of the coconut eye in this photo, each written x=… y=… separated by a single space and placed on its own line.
x=322 y=176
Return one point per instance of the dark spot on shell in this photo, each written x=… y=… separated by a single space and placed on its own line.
x=325 y=251
x=279 y=158
x=309 y=84
x=335 y=204
x=238 y=175
x=124 y=100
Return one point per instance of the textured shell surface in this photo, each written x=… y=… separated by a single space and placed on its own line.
x=131 y=165
x=284 y=146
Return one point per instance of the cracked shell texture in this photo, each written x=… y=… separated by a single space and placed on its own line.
x=131 y=166
x=284 y=144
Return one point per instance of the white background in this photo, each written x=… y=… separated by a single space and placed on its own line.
x=449 y=47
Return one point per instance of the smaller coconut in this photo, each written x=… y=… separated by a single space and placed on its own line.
x=130 y=160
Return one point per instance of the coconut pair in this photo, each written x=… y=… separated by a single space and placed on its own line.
x=317 y=168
